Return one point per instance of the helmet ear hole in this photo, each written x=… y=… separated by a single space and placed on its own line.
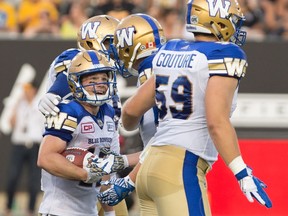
x=222 y=26
x=127 y=52
x=89 y=44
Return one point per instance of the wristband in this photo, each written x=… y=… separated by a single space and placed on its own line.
x=237 y=165
x=110 y=213
x=129 y=181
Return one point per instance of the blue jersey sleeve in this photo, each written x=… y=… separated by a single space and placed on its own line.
x=64 y=59
x=64 y=124
x=60 y=86
x=60 y=65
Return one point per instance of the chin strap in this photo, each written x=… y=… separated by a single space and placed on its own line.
x=131 y=61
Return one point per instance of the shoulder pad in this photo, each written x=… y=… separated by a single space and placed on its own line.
x=63 y=60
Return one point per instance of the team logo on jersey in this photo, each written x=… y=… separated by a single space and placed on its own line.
x=218 y=6
x=56 y=121
x=87 y=127
x=125 y=36
x=89 y=30
x=100 y=123
x=235 y=66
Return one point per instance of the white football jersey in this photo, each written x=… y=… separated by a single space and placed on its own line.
x=81 y=129
x=182 y=70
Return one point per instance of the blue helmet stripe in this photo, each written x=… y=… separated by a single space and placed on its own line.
x=189 y=8
x=93 y=57
x=154 y=27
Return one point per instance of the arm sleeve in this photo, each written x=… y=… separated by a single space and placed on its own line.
x=60 y=86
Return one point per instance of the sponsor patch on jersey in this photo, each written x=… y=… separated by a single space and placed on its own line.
x=110 y=126
x=87 y=127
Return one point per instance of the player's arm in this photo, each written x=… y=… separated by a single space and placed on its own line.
x=219 y=95
x=135 y=106
x=218 y=100
x=51 y=160
x=58 y=89
x=133 y=158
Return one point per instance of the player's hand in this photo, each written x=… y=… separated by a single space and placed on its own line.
x=94 y=171
x=113 y=163
x=120 y=189
x=252 y=187
x=48 y=104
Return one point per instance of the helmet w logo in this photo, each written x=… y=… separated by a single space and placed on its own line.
x=218 y=6
x=125 y=36
x=89 y=30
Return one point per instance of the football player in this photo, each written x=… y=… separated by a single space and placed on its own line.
x=194 y=86
x=86 y=121
x=96 y=33
x=137 y=38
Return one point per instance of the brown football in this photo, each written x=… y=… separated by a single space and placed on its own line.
x=78 y=156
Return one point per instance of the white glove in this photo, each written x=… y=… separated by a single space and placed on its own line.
x=113 y=163
x=48 y=104
x=251 y=186
x=94 y=172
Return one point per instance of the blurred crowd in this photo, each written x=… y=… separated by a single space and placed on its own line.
x=265 y=19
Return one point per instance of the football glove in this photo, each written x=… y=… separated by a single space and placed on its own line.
x=120 y=189
x=112 y=162
x=48 y=104
x=94 y=170
x=252 y=187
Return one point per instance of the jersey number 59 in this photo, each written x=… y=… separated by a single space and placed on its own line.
x=178 y=94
